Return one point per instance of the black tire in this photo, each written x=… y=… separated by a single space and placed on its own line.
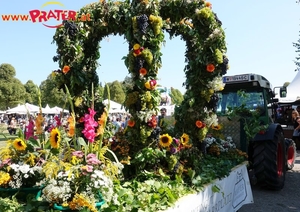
x=269 y=162
x=291 y=153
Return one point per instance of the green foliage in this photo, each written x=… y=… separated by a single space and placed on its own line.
x=116 y=92
x=51 y=95
x=150 y=195
x=12 y=91
x=176 y=96
x=31 y=93
x=250 y=118
x=7 y=72
x=10 y=205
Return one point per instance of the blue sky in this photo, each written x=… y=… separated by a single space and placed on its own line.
x=259 y=36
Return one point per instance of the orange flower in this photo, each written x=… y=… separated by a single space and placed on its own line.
x=38 y=123
x=200 y=124
x=66 y=69
x=143 y=71
x=71 y=124
x=131 y=123
x=208 y=4
x=210 y=68
x=102 y=123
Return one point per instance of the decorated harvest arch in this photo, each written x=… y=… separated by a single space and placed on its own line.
x=143 y=23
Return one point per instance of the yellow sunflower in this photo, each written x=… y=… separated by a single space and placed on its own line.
x=184 y=139
x=19 y=144
x=165 y=140
x=216 y=127
x=55 y=138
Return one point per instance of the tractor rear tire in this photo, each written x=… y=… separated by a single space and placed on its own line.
x=269 y=161
x=291 y=153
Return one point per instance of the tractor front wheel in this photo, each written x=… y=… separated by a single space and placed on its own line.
x=269 y=161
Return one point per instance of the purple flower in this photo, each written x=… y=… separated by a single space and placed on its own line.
x=176 y=141
x=173 y=150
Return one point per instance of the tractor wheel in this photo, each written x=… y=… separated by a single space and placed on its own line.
x=269 y=162
x=291 y=153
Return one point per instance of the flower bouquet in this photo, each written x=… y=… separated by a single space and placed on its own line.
x=77 y=184
x=78 y=174
x=20 y=167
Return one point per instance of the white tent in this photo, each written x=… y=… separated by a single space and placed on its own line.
x=114 y=107
x=23 y=109
x=293 y=91
x=48 y=110
x=57 y=110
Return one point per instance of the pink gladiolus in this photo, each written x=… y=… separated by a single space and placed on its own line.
x=29 y=130
x=89 y=126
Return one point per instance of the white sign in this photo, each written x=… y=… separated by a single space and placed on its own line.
x=235 y=191
x=236 y=78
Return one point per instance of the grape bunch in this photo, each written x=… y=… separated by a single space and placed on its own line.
x=56 y=58
x=213 y=103
x=70 y=27
x=224 y=65
x=138 y=64
x=155 y=134
x=142 y=21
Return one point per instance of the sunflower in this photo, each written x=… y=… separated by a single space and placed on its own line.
x=184 y=139
x=165 y=140
x=216 y=127
x=19 y=144
x=55 y=138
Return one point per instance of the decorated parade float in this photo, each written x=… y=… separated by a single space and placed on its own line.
x=186 y=166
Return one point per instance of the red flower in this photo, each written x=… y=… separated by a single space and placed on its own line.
x=200 y=124
x=210 y=68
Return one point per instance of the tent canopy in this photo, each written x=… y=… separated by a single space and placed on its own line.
x=114 y=106
x=48 y=110
x=24 y=109
x=293 y=91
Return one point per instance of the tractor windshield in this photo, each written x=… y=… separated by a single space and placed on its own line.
x=231 y=99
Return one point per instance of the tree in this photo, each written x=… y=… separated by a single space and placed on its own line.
x=31 y=93
x=50 y=94
x=7 y=72
x=12 y=91
x=176 y=96
x=297 y=61
x=117 y=93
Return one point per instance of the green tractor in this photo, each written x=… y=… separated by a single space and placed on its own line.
x=247 y=110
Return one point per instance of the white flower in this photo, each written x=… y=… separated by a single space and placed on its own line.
x=212 y=119
x=25 y=168
x=216 y=84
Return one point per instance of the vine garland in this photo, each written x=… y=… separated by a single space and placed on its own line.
x=143 y=23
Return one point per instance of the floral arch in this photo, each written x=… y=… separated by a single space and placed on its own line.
x=143 y=23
